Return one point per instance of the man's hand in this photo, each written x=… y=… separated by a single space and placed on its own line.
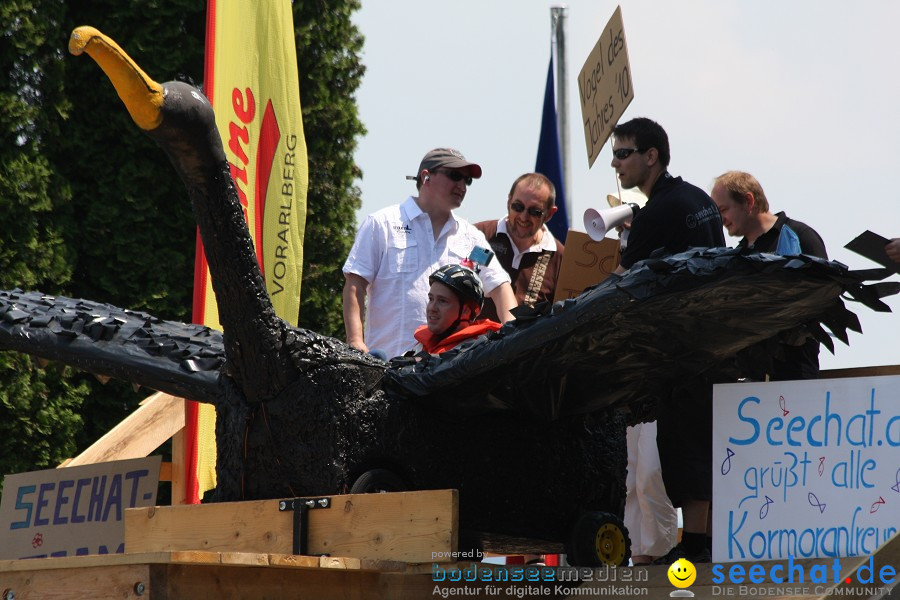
x=893 y=250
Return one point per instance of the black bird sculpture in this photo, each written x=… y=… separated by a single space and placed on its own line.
x=528 y=423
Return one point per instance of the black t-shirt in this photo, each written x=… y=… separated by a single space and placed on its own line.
x=799 y=362
x=677 y=216
x=810 y=242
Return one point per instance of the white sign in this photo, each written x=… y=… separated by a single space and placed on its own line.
x=808 y=469
x=74 y=510
x=604 y=86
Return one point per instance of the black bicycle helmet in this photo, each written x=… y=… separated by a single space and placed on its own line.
x=465 y=282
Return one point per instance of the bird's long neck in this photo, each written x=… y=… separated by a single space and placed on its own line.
x=180 y=119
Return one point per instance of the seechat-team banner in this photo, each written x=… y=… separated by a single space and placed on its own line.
x=74 y=511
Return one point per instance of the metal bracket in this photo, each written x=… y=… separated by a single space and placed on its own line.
x=301 y=508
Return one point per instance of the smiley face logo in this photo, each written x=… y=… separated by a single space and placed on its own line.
x=682 y=573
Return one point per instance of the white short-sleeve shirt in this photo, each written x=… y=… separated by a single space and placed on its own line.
x=395 y=251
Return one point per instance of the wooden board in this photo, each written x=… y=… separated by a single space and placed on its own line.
x=159 y=417
x=192 y=575
x=861 y=372
x=108 y=581
x=403 y=526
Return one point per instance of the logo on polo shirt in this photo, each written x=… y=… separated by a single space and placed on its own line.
x=701 y=216
x=402 y=229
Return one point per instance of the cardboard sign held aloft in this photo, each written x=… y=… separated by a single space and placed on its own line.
x=76 y=510
x=585 y=263
x=604 y=86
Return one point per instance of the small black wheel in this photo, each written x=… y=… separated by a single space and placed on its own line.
x=596 y=539
x=378 y=480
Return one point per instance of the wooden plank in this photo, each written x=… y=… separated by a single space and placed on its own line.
x=192 y=575
x=861 y=372
x=188 y=582
x=139 y=434
x=404 y=526
x=198 y=557
x=179 y=462
x=88 y=583
x=103 y=560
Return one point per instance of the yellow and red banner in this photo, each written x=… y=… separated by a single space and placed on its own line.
x=252 y=82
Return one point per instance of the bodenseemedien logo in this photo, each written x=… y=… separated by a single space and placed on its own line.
x=682 y=574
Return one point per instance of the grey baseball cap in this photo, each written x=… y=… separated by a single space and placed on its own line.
x=449 y=158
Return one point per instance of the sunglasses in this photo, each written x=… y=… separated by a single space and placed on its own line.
x=532 y=211
x=623 y=153
x=456 y=176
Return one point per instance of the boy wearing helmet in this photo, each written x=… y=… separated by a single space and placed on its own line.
x=455 y=298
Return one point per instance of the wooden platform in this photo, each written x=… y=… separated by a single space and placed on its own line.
x=227 y=575
x=381 y=546
x=199 y=575
x=234 y=575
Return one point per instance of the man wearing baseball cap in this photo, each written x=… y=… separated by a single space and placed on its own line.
x=398 y=247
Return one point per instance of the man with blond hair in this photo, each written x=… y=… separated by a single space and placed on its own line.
x=745 y=212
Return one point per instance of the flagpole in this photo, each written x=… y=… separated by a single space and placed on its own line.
x=558 y=13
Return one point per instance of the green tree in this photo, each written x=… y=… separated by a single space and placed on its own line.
x=39 y=409
x=328 y=47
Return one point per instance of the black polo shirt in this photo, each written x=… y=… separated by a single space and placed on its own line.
x=810 y=242
x=799 y=362
x=677 y=216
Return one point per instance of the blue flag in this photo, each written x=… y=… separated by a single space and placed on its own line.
x=549 y=159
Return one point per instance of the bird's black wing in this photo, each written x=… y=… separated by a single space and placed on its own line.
x=176 y=358
x=718 y=313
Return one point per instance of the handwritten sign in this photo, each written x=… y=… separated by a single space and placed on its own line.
x=604 y=86
x=809 y=469
x=585 y=263
x=74 y=511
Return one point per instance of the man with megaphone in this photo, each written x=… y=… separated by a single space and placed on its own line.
x=677 y=216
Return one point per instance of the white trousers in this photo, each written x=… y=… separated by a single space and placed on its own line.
x=651 y=519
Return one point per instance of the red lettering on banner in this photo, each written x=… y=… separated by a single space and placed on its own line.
x=269 y=139
x=245 y=115
x=236 y=135
x=244 y=107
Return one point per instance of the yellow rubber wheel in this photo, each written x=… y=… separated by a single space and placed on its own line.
x=610 y=546
x=598 y=538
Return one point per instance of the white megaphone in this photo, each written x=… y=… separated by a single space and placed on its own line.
x=598 y=222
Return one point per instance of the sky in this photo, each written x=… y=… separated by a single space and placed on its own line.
x=802 y=94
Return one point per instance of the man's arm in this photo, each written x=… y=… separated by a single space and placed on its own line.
x=354 y=309
x=811 y=243
x=504 y=300
x=893 y=249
